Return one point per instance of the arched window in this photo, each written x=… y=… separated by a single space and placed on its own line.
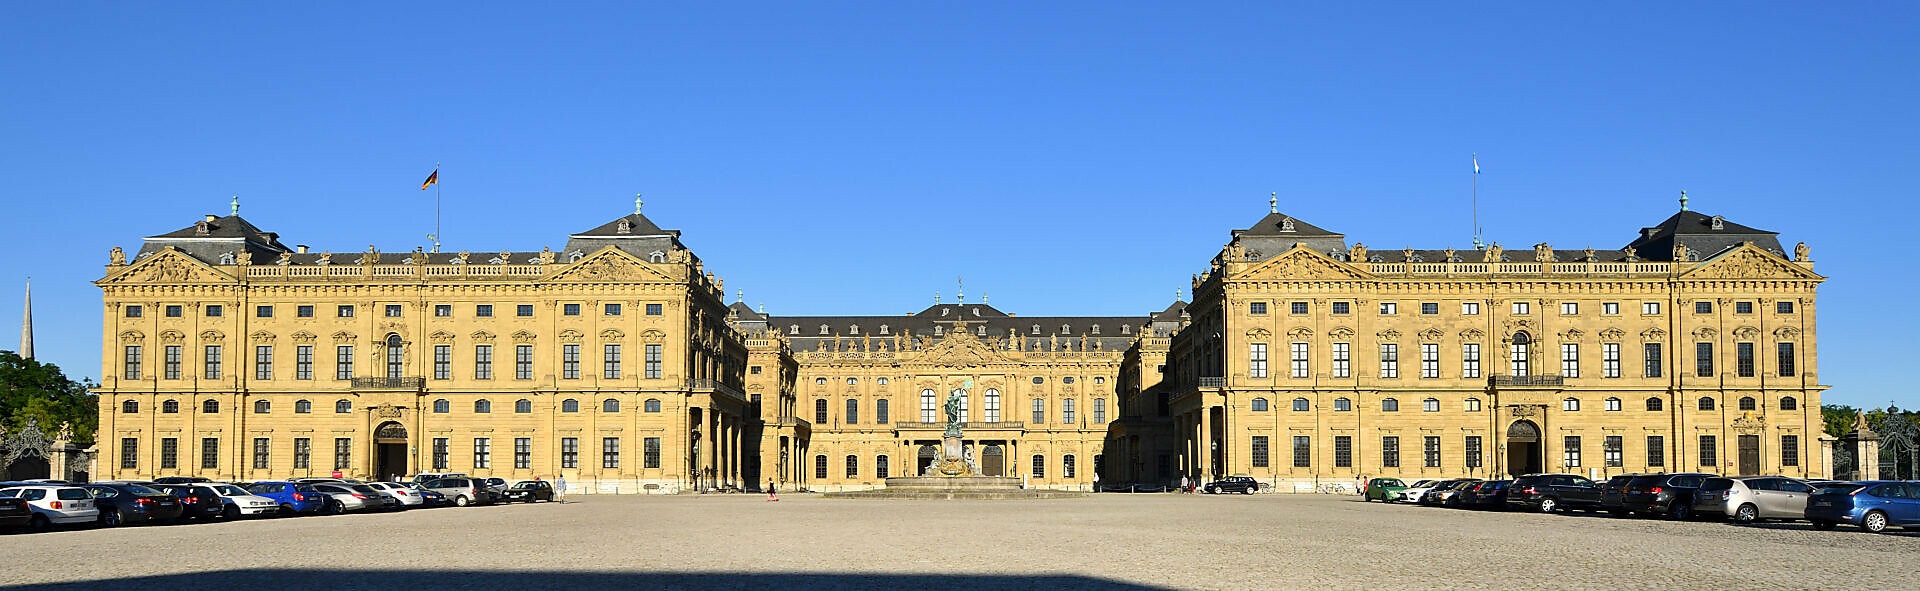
x=793 y=329
x=1259 y=405
x=1301 y=405
x=652 y=405
x=1430 y=405
x=1390 y=405
x=853 y=465
x=853 y=411
x=1789 y=403
x=1747 y=403
x=852 y=381
x=343 y=406
x=1126 y=329
x=610 y=406
x=880 y=411
x=993 y=405
x=1613 y=405
x=1706 y=403
x=928 y=412
x=1036 y=329
x=823 y=329
x=1520 y=354
x=396 y=358
x=482 y=406
x=210 y=407
x=441 y=406
x=1342 y=405
x=1570 y=404
x=880 y=467
x=819 y=381
x=880 y=381
x=939 y=330
x=1039 y=466
x=883 y=330
x=522 y=406
x=301 y=407
x=1654 y=403
x=261 y=407
x=854 y=330
x=168 y=407
x=820 y=411
x=1066 y=466
x=569 y=405
x=130 y=407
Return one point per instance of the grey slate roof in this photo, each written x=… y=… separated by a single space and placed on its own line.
x=1695 y=230
x=638 y=225
x=1275 y=224
x=997 y=323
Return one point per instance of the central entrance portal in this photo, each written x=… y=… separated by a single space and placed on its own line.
x=993 y=461
x=390 y=451
x=923 y=460
x=1523 y=448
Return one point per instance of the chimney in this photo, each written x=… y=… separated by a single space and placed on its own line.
x=300 y=248
x=211 y=217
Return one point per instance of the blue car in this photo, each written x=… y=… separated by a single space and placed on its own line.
x=1873 y=505
x=294 y=498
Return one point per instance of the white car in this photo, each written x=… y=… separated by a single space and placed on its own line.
x=55 y=504
x=408 y=497
x=1419 y=489
x=240 y=502
x=345 y=498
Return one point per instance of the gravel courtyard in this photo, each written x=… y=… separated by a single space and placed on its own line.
x=1104 y=541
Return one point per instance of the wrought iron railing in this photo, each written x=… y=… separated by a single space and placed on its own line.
x=389 y=383
x=718 y=387
x=965 y=425
x=1213 y=382
x=1529 y=381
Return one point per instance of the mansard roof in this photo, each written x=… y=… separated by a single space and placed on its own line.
x=1280 y=224
x=1172 y=313
x=1696 y=230
x=232 y=226
x=637 y=226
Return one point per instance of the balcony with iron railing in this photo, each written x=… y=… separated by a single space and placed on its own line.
x=969 y=425
x=1526 y=381
x=389 y=383
x=718 y=387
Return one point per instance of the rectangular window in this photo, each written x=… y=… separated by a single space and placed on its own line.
x=170 y=453
x=482 y=453
x=263 y=362
x=1299 y=360
x=569 y=452
x=523 y=362
x=653 y=362
x=653 y=309
x=1783 y=307
x=523 y=310
x=1709 y=451
x=343 y=362
x=393 y=311
x=1302 y=451
x=129 y=453
x=1786 y=360
x=342 y=452
x=570 y=362
x=1743 y=307
x=1389 y=308
x=440 y=453
x=1470 y=360
x=303 y=362
x=303 y=311
x=1653 y=360
x=1743 y=359
x=213 y=362
x=215 y=310
x=570 y=309
x=302 y=453
x=1429 y=308
x=209 y=453
x=1342 y=360
x=1610 y=360
x=1390 y=451
x=1656 y=451
x=1570 y=452
x=1100 y=410
x=1610 y=449
x=1610 y=308
x=1257 y=364
x=1343 y=451
x=610 y=452
x=263 y=311
x=880 y=414
x=1569 y=308
x=1429 y=360
x=1039 y=411
x=1703 y=307
x=1473 y=451
x=613 y=309
x=1650 y=308
x=173 y=311
x=443 y=310
x=483 y=362
x=443 y=362
x=853 y=466
x=1790 y=450
x=1389 y=360
x=652 y=449
x=852 y=416
x=522 y=452
x=483 y=310
x=1569 y=360
x=261 y=447
x=170 y=362
x=1703 y=359
x=343 y=311
x=1340 y=308
x=610 y=362
x=1430 y=451
x=1470 y=308
x=134 y=311
x=1257 y=308
x=1522 y=308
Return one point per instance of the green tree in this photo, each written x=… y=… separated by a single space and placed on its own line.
x=33 y=390
x=1838 y=418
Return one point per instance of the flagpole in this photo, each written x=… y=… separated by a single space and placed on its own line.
x=436 y=207
x=1477 y=245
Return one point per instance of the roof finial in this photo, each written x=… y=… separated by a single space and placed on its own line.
x=1683 y=200
x=983 y=297
x=739 y=295
x=763 y=308
x=236 y=205
x=1273 y=202
x=936 y=296
x=636 y=204
x=962 y=296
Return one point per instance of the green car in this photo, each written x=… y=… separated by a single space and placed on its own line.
x=1385 y=490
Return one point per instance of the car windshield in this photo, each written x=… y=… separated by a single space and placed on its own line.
x=525 y=484
x=1838 y=488
x=1423 y=484
x=1391 y=482
x=228 y=490
x=303 y=488
x=140 y=490
x=362 y=489
x=73 y=494
x=9 y=493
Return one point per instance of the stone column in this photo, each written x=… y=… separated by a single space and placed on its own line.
x=1826 y=457
x=1206 y=442
x=1868 y=455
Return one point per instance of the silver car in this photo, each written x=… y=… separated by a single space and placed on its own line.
x=1752 y=498
x=345 y=498
x=462 y=491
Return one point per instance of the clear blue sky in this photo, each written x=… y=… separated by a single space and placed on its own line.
x=1066 y=159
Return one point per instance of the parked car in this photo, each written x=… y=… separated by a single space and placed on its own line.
x=498 y=485
x=14 y=512
x=132 y=503
x=463 y=491
x=196 y=501
x=237 y=502
x=180 y=480
x=1613 y=495
x=1442 y=493
x=527 y=491
x=55 y=505
x=1548 y=493
x=1663 y=494
x=406 y=496
x=429 y=498
x=1416 y=490
x=1385 y=490
x=1753 y=498
x=425 y=477
x=343 y=498
x=1874 y=505
x=1240 y=484
x=293 y=498
x=1488 y=494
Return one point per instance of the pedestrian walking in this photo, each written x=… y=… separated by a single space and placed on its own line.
x=560 y=489
x=773 y=494
x=1185 y=488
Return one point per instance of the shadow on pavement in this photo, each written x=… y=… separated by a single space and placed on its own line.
x=475 y=579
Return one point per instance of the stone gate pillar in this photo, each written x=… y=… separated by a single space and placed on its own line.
x=1826 y=456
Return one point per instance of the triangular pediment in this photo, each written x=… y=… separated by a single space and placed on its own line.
x=168 y=266
x=1749 y=262
x=1300 y=263
x=960 y=349
x=608 y=265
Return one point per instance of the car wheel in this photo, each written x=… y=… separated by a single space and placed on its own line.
x=1681 y=512
x=460 y=501
x=1746 y=514
x=231 y=512
x=110 y=518
x=1823 y=525
x=39 y=523
x=335 y=507
x=1549 y=504
x=1875 y=522
x=1247 y=490
x=286 y=510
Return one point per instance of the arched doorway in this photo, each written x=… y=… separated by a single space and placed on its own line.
x=1523 y=448
x=27 y=467
x=923 y=461
x=993 y=461
x=390 y=451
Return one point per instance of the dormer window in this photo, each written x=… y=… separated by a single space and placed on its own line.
x=657 y=257
x=823 y=329
x=1066 y=329
x=226 y=259
x=623 y=227
x=575 y=256
x=1036 y=329
x=939 y=330
x=200 y=228
x=1286 y=224
x=793 y=329
x=976 y=311
x=1126 y=329
x=946 y=311
x=1719 y=223
x=1337 y=255
x=982 y=330
x=1417 y=259
x=854 y=330
x=1650 y=232
x=1693 y=256
x=1096 y=329
x=1376 y=259
x=883 y=329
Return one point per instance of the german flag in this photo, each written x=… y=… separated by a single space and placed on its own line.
x=432 y=179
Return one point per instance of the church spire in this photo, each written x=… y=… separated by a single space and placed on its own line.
x=26 y=323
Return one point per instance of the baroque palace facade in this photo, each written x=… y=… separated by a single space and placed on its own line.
x=617 y=364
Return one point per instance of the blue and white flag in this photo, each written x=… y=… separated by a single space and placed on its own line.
x=1476 y=164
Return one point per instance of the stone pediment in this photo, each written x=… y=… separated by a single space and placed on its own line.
x=610 y=265
x=169 y=266
x=960 y=349
x=1749 y=262
x=1300 y=263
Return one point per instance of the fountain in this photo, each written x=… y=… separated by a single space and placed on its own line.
x=953 y=475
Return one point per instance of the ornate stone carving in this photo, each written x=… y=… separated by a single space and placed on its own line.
x=652 y=336
x=1750 y=424
x=1431 y=334
x=172 y=337
x=1572 y=335
x=117 y=257
x=440 y=336
x=1705 y=333
x=262 y=337
x=1388 y=335
x=1339 y=332
x=1300 y=333
x=1653 y=335
x=301 y=336
x=1787 y=333
x=1524 y=411
x=1748 y=263
x=344 y=337
x=1801 y=253
x=1358 y=253
x=1259 y=334
x=522 y=336
x=1495 y=253
x=1633 y=255
x=566 y=336
x=546 y=256
x=611 y=334
x=1542 y=253
x=1612 y=334
x=1472 y=334
x=1746 y=333
x=170 y=269
x=131 y=337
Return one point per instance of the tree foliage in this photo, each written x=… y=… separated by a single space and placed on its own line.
x=33 y=390
x=1839 y=418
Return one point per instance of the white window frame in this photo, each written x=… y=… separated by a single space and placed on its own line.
x=1470 y=360
x=1257 y=360
x=1389 y=308
x=1610 y=360
x=1301 y=352
x=1429 y=360
x=1610 y=309
x=1389 y=360
x=1342 y=360
x=1650 y=308
x=1569 y=360
x=1569 y=308
x=1470 y=308
x=1523 y=307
